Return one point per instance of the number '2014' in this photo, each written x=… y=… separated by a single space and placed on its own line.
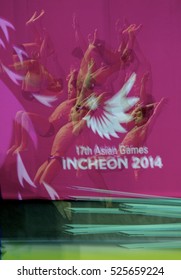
x=146 y=162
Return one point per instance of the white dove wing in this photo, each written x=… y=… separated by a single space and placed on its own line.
x=123 y=92
x=124 y=104
x=108 y=128
x=109 y=121
x=115 y=123
x=105 y=128
x=116 y=112
x=92 y=123
x=102 y=130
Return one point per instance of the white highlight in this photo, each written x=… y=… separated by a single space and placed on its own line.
x=2 y=44
x=52 y=193
x=45 y=100
x=19 y=197
x=20 y=53
x=13 y=76
x=22 y=173
x=4 y=24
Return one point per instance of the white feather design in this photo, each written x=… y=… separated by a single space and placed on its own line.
x=114 y=112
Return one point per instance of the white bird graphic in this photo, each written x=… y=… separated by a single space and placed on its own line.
x=108 y=121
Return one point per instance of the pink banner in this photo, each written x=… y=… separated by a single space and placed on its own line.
x=90 y=94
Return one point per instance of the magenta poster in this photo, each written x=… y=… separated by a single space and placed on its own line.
x=90 y=97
